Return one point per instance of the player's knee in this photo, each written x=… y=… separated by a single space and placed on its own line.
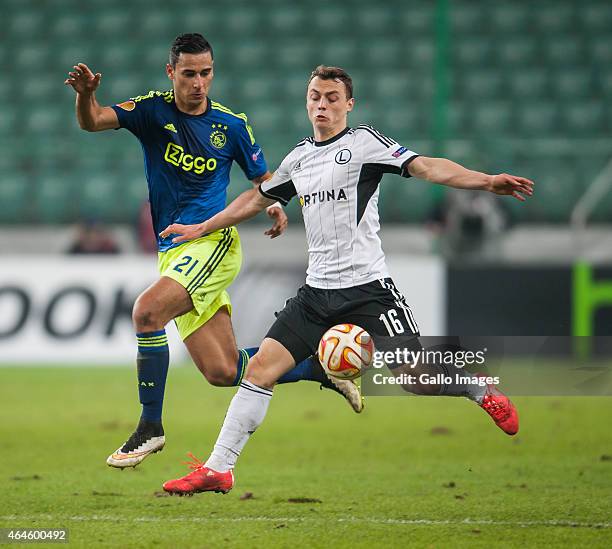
x=144 y=315
x=221 y=377
x=257 y=372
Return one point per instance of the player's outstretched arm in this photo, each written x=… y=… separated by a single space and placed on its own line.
x=447 y=172
x=91 y=115
x=274 y=211
x=246 y=205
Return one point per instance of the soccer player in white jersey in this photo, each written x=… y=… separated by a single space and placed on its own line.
x=336 y=176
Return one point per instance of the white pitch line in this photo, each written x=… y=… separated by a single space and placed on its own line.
x=361 y=520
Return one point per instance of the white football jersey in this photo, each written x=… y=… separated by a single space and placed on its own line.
x=336 y=182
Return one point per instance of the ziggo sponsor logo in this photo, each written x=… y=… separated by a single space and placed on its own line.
x=175 y=155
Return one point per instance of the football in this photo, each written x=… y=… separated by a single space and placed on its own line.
x=345 y=350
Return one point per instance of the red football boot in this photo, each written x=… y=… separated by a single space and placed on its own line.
x=501 y=409
x=201 y=479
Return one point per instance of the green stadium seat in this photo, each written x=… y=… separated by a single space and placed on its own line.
x=536 y=118
x=329 y=18
x=156 y=55
x=588 y=165
x=583 y=118
x=405 y=200
x=481 y=84
x=491 y=118
x=116 y=58
x=238 y=183
x=381 y=53
x=295 y=53
x=392 y=86
x=558 y=191
x=563 y=50
x=607 y=122
x=100 y=198
x=553 y=18
x=420 y=53
x=529 y=84
x=202 y=19
x=68 y=55
x=509 y=18
x=248 y=54
x=295 y=84
x=44 y=120
x=32 y=55
x=8 y=162
x=15 y=198
x=407 y=121
x=520 y=53
x=256 y=88
x=70 y=23
x=364 y=113
x=46 y=153
x=472 y=51
x=267 y=119
x=42 y=90
x=120 y=88
x=25 y=23
x=133 y=194
x=572 y=82
x=224 y=89
x=240 y=23
x=595 y=16
x=288 y=19
x=417 y=20
x=6 y=91
x=154 y=22
x=54 y=201
x=458 y=115
x=377 y=21
x=602 y=213
x=339 y=54
x=94 y=151
x=465 y=17
x=600 y=49
x=109 y=22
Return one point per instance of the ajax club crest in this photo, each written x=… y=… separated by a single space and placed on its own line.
x=217 y=138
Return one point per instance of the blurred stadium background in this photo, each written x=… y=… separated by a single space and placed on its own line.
x=518 y=86
x=522 y=86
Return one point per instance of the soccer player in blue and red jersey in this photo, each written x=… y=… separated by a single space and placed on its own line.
x=189 y=143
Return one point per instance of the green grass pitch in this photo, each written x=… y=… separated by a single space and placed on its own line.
x=422 y=472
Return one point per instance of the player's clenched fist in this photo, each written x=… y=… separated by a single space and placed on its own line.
x=82 y=79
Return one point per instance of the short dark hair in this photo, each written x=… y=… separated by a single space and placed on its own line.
x=334 y=73
x=192 y=42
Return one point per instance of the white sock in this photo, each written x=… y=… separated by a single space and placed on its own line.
x=246 y=412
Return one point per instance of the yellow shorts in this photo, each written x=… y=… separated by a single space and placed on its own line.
x=205 y=268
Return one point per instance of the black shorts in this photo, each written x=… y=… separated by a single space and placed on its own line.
x=378 y=307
